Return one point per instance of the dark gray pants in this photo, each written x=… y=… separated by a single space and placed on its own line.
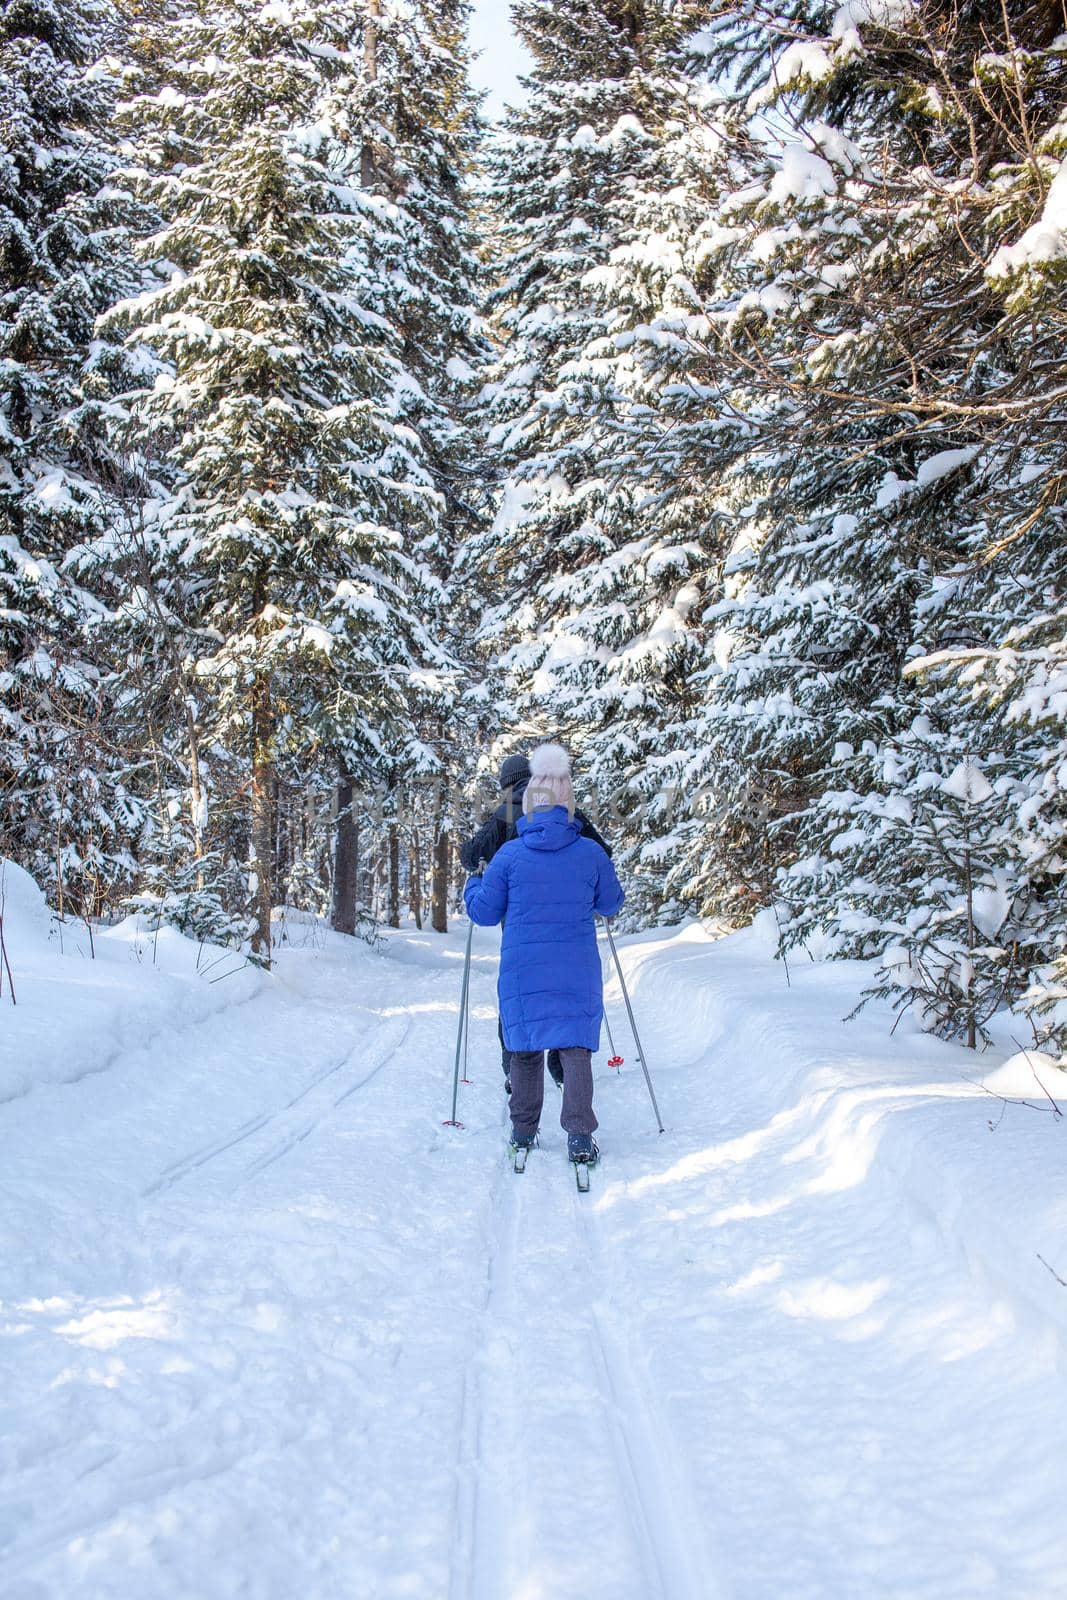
x=554 y=1066
x=528 y=1090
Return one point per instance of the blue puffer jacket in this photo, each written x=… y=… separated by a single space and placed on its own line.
x=545 y=886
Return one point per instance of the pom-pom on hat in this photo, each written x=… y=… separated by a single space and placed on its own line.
x=550 y=780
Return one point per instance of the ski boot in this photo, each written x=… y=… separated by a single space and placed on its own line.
x=582 y=1151
x=582 y=1147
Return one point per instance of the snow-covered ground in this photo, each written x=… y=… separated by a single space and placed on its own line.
x=268 y=1329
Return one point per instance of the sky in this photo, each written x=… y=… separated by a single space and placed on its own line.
x=502 y=57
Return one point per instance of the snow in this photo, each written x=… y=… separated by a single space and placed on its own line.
x=803 y=175
x=1027 y=1075
x=945 y=461
x=585 y=137
x=992 y=904
x=967 y=782
x=836 y=147
x=26 y=917
x=851 y=16
x=268 y=1328
x=930 y=471
x=801 y=62
x=1044 y=241
x=52 y=492
x=516 y=500
x=626 y=126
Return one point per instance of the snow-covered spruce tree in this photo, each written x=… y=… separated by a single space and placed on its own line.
x=909 y=875
x=995 y=588
x=640 y=612
x=63 y=259
x=296 y=497
x=812 y=635
x=863 y=324
x=929 y=890
x=1025 y=685
x=720 y=439
x=1012 y=686
x=422 y=115
x=425 y=100
x=1002 y=676
x=191 y=852
x=587 y=571
x=1009 y=692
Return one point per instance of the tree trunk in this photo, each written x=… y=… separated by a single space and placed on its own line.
x=196 y=789
x=972 y=1029
x=415 y=877
x=295 y=836
x=262 y=839
x=439 y=907
x=283 y=858
x=367 y=164
x=345 y=860
x=381 y=882
x=394 y=875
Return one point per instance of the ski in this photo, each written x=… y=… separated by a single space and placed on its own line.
x=582 y=1152
x=582 y=1169
x=519 y=1152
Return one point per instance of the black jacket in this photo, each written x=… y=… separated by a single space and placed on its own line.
x=499 y=827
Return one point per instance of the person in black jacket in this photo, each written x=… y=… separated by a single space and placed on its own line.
x=496 y=830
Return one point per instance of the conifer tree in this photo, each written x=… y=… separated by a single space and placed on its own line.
x=881 y=333
x=420 y=153
x=63 y=260
x=297 y=497
x=588 y=561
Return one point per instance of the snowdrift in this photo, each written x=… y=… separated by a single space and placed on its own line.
x=84 y=997
x=252 y=1290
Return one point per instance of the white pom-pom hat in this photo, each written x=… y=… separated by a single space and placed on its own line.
x=550 y=780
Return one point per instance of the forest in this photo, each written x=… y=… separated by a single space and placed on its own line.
x=707 y=413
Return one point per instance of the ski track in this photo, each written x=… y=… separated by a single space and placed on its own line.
x=277 y=1372
x=398 y=1033
x=135 y=1486
x=201 y=1157
x=662 y=1507
x=481 y=1510
x=504 y=1544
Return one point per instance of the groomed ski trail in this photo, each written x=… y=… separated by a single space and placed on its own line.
x=267 y=1327
x=664 y=1514
x=382 y=1049
x=484 y=1525
x=554 y=1415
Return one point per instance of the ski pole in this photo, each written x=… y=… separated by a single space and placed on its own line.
x=467 y=1019
x=461 y=1031
x=614 y=1060
x=633 y=1027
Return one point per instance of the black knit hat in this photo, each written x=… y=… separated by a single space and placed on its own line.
x=514 y=769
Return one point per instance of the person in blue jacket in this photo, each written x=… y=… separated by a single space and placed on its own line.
x=547 y=885
x=496 y=830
